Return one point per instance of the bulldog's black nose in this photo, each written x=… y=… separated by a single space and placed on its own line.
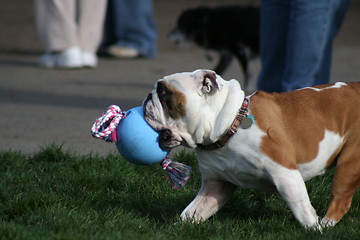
x=165 y=135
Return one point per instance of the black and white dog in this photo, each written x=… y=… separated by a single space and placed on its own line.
x=229 y=30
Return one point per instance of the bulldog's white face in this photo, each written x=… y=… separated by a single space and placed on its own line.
x=192 y=108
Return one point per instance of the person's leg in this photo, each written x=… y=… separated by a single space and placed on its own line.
x=309 y=27
x=339 y=12
x=91 y=22
x=273 y=34
x=91 y=16
x=135 y=26
x=55 y=22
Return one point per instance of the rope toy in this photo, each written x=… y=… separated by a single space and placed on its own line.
x=178 y=173
x=105 y=126
x=123 y=128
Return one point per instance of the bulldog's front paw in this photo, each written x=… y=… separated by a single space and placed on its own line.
x=190 y=216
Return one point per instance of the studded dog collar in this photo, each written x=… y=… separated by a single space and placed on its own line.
x=242 y=119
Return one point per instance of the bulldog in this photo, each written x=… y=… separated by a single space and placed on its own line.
x=268 y=141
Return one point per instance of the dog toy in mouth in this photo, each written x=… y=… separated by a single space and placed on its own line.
x=137 y=141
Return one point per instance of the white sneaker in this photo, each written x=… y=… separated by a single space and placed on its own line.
x=89 y=59
x=69 y=58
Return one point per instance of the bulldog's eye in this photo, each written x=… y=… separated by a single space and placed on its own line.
x=160 y=90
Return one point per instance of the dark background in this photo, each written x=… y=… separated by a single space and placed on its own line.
x=40 y=107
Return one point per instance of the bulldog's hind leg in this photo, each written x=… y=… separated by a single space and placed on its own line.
x=345 y=183
x=212 y=196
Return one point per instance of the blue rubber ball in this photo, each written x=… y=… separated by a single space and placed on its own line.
x=137 y=142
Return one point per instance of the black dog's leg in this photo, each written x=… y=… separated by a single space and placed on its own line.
x=224 y=61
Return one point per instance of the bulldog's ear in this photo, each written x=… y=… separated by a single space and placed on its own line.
x=210 y=80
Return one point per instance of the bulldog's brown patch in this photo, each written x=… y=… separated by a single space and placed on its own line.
x=172 y=101
x=295 y=122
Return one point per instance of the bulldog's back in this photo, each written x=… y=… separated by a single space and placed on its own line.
x=301 y=120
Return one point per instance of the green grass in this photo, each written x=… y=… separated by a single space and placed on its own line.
x=54 y=194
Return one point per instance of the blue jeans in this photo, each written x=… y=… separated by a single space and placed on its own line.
x=296 y=42
x=130 y=23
